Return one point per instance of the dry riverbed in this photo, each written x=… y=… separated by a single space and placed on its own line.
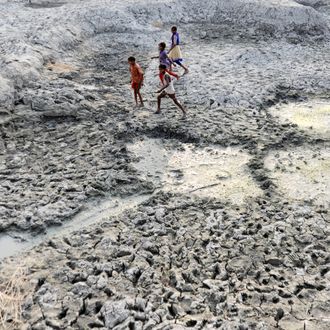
x=122 y=219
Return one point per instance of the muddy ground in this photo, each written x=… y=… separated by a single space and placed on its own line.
x=231 y=230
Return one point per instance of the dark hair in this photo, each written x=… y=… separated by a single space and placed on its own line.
x=163 y=45
x=163 y=66
x=174 y=28
x=131 y=59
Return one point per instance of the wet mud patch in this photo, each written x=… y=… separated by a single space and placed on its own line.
x=211 y=172
x=92 y=213
x=44 y=5
x=60 y=68
x=311 y=116
x=301 y=174
x=5 y=116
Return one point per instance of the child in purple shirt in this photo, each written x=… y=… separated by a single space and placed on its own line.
x=163 y=57
x=165 y=60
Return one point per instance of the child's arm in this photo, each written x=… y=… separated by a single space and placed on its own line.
x=164 y=87
x=141 y=75
x=154 y=57
x=170 y=60
x=173 y=74
x=167 y=83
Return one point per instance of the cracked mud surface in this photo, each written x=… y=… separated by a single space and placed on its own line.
x=150 y=269
x=232 y=232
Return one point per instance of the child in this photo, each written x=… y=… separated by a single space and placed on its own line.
x=165 y=60
x=175 y=52
x=137 y=77
x=168 y=90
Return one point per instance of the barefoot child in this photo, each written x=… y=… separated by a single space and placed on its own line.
x=175 y=52
x=137 y=77
x=167 y=90
x=165 y=60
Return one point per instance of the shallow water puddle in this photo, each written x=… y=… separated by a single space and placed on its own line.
x=60 y=67
x=302 y=174
x=152 y=158
x=12 y=244
x=45 y=5
x=210 y=172
x=312 y=116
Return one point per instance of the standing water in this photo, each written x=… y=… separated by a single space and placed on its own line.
x=312 y=116
x=213 y=172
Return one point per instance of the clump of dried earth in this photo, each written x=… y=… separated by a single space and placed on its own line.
x=233 y=229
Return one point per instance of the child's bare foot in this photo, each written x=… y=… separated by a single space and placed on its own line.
x=157 y=112
x=186 y=71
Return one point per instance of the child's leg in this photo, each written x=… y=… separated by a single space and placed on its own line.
x=173 y=97
x=134 y=90
x=179 y=62
x=184 y=67
x=135 y=96
x=140 y=97
x=159 y=100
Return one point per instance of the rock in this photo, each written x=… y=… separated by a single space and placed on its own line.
x=114 y=313
x=321 y=310
x=6 y=93
x=274 y=262
x=81 y=289
x=239 y=264
x=159 y=214
x=279 y=314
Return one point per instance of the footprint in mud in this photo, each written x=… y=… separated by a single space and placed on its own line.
x=177 y=175
x=223 y=176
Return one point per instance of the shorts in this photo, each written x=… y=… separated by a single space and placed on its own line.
x=164 y=93
x=136 y=86
x=167 y=64
x=178 y=61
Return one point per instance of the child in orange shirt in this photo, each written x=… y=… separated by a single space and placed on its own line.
x=137 y=77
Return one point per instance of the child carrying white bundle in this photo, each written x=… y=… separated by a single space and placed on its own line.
x=175 y=52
